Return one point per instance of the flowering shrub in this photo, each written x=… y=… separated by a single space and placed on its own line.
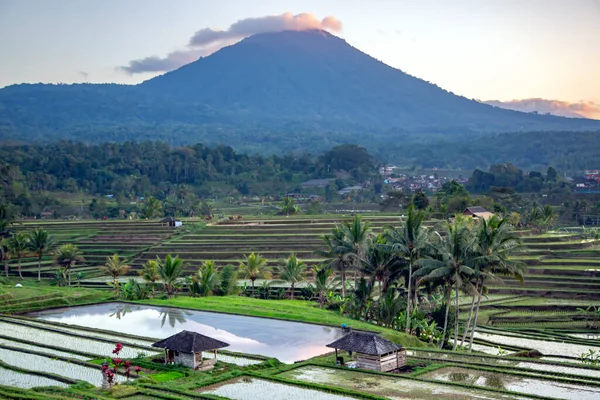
x=116 y=363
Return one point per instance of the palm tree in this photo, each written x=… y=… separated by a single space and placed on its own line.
x=206 y=280
x=40 y=244
x=5 y=254
x=381 y=264
x=170 y=270
x=288 y=207
x=18 y=246
x=152 y=208
x=409 y=242
x=254 y=267
x=115 y=267
x=323 y=283
x=150 y=273
x=338 y=254
x=495 y=244
x=292 y=272
x=68 y=255
x=346 y=245
x=454 y=253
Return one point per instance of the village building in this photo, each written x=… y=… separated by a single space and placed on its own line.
x=371 y=351
x=172 y=222
x=478 y=212
x=186 y=348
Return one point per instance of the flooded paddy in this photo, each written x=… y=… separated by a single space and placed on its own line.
x=525 y=385
x=26 y=381
x=36 y=362
x=546 y=347
x=285 y=340
x=260 y=389
x=390 y=387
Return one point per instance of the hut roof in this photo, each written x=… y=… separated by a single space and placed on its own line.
x=168 y=219
x=366 y=343
x=476 y=210
x=190 y=342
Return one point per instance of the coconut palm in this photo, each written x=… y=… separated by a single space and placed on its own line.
x=170 y=270
x=357 y=234
x=152 y=208
x=150 y=274
x=67 y=256
x=409 y=242
x=292 y=272
x=254 y=267
x=381 y=264
x=323 y=283
x=451 y=265
x=40 y=243
x=115 y=267
x=494 y=246
x=288 y=207
x=18 y=247
x=337 y=253
x=5 y=255
x=206 y=280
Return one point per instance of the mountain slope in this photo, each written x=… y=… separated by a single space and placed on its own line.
x=275 y=92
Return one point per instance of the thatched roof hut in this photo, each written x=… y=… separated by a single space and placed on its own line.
x=372 y=351
x=186 y=348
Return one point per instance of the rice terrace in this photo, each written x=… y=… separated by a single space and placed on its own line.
x=133 y=283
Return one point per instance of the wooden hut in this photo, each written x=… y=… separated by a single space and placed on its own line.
x=478 y=212
x=372 y=351
x=186 y=348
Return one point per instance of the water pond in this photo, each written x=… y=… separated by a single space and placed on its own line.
x=26 y=381
x=259 y=389
x=390 y=387
x=285 y=340
x=514 y=383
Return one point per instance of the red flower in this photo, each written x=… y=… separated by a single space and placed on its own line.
x=138 y=369
x=127 y=364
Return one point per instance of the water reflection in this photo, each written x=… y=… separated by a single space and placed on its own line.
x=285 y=340
x=174 y=316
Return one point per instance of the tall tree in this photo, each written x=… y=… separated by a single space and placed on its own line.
x=409 y=241
x=40 y=243
x=292 y=271
x=68 y=255
x=170 y=270
x=150 y=274
x=495 y=244
x=451 y=264
x=337 y=253
x=254 y=267
x=381 y=263
x=115 y=267
x=18 y=246
x=206 y=280
x=152 y=208
x=323 y=283
x=5 y=255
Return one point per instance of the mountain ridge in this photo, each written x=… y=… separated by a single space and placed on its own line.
x=280 y=90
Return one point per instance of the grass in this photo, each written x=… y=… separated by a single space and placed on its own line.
x=291 y=310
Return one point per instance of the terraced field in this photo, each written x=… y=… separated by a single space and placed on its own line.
x=97 y=240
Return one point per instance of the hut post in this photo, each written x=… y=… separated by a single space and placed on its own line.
x=166 y=356
x=336 y=357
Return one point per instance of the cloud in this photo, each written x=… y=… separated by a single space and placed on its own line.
x=206 y=41
x=582 y=109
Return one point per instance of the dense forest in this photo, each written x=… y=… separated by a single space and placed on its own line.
x=180 y=174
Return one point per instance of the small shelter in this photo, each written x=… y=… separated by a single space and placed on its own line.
x=478 y=212
x=372 y=351
x=186 y=348
x=171 y=221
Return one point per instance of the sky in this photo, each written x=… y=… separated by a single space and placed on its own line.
x=539 y=55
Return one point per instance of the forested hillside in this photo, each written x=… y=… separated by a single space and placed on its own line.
x=270 y=94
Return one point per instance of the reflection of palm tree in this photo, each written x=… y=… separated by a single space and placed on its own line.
x=121 y=310
x=173 y=315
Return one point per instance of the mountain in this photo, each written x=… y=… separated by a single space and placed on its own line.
x=270 y=92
